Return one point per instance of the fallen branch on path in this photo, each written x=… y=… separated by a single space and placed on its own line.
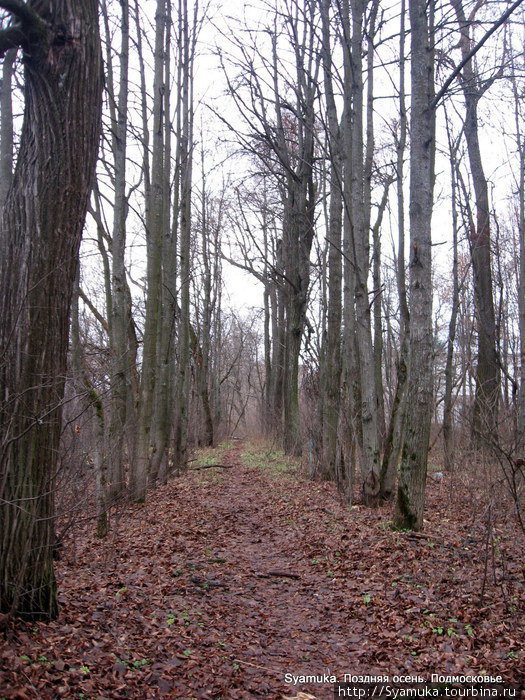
x=213 y=466
x=282 y=574
x=207 y=583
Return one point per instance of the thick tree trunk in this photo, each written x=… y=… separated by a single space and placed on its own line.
x=298 y=236
x=43 y=219
x=278 y=343
x=164 y=388
x=186 y=168
x=413 y=469
x=360 y=219
x=154 y=233
x=349 y=418
x=331 y=385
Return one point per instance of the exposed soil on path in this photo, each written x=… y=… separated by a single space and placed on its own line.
x=229 y=579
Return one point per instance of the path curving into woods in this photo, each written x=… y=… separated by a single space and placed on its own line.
x=230 y=578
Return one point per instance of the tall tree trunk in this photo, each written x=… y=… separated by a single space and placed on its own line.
x=202 y=365
x=278 y=344
x=392 y=445
x=6 y=130
x=485 y=413
x=350 y=433
x=360 y=219
x=268 y=418
x=43 y=218
x=377 y=306
x=92 y=402
x=297 y=243
x=186 y=169
x=448 y=403
x=413 y=468
x=164 y=386
x=521 y=283
x=331 y=389
x=120 y=379
x=154 y=235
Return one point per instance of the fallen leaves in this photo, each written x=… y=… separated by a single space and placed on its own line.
x=218 y=588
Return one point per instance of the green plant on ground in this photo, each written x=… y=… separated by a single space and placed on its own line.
x=272 y=461
x=210 y=455
x=40 y=660
x=133 y=665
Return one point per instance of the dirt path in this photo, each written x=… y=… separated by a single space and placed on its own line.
x=229 y=579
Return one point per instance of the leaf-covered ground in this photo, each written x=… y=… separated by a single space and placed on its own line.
x=228 y=579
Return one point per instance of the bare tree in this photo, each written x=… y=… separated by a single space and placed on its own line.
x=281 y=118
x=118 y=311
x=392 y=444
x=448 y=404
x=485 y=418
x=517 y=92
x=331 y=355
x=186 y=170
x=155 y=223
x=357 y=209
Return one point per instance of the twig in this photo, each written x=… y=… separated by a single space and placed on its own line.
x=487 y=540
x=263 y=668
x=282 y=574
x=213 y=466
x=473 y=52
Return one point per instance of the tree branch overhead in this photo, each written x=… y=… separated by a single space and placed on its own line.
x=28 y=24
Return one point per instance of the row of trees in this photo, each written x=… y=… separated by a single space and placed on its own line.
x=332 y=153
x=328 y=109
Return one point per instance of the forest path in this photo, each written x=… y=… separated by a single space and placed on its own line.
x=229 y=578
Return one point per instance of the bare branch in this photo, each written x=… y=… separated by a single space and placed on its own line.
x=29 y=26
x=96 y=313
x=27 y=16
x=10 y=38
x=504 y=17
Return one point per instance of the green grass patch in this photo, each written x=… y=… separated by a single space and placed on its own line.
x=268 y=459
x=210 y=455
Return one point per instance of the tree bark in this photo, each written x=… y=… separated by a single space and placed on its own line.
x=6 y=130
x=360 y=221
x=331 y=385
x=413 y=468
x=43 y=219
x=120 y=379
x=186 y=169
x=154 y=236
